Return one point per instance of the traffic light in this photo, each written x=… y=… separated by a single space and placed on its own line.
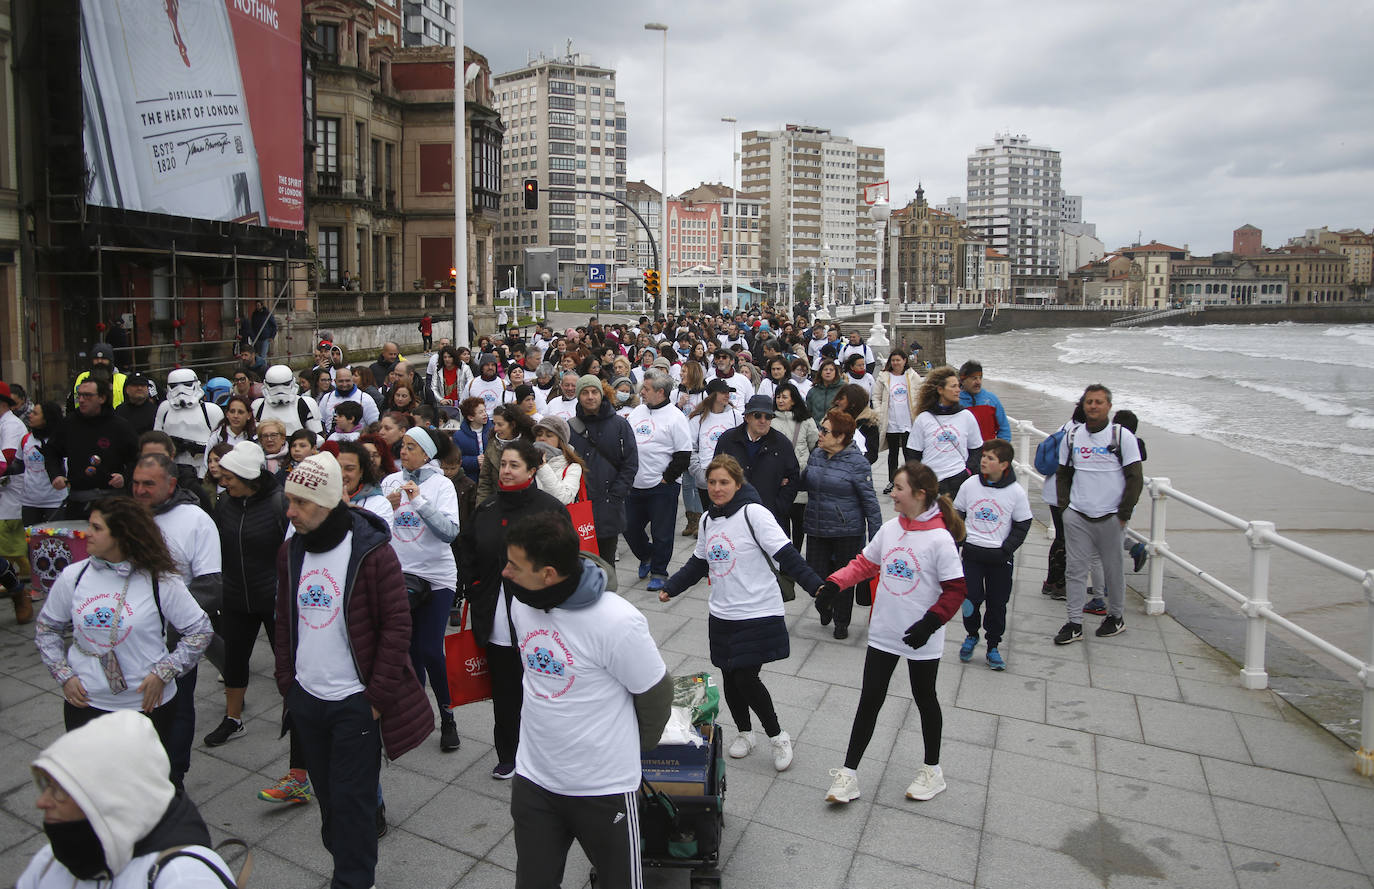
x=531 y=194
x=651 y=282
x=452 y=278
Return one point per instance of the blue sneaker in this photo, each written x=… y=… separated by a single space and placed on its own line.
x=966 y=650
x=655 y=585
x=643 y=570
x=1098 y=605
x=995 y=660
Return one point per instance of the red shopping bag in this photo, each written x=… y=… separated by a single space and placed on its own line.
x=469 y=679
x=580 y=510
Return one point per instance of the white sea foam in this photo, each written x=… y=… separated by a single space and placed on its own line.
x=1323 y=407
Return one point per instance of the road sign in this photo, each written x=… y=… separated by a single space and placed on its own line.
x=596 y=276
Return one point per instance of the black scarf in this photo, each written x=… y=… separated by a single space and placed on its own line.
x=77 y=848
x=331 y=531
x=550 y=597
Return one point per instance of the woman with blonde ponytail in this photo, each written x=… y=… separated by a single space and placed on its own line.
x=920 y=587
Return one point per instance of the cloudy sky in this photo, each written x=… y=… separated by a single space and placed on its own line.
x=1179 y=121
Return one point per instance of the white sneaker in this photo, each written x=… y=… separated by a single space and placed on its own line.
x=928 y=782
x=844 y=789
x=782 y=751
x=742 y=746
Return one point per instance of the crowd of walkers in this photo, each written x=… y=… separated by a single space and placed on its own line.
x=351 y=510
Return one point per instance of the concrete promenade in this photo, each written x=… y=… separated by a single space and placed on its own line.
x=1131 y=761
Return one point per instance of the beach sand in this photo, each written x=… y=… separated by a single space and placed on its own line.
x=1323 y=515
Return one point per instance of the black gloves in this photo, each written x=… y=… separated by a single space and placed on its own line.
x=919 y=633
x=825 y=595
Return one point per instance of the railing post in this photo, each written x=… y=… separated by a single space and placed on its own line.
x=1023 y=446
x=1253 y=674
x=1154 y=598
x=1364 y=757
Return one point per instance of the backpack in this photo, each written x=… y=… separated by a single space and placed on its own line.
x=1047 y=453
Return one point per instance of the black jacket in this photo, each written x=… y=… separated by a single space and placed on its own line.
x=106 y=437
x=140 y=416
x=482 y=548
x=773 y=470
x=251 y=530
x=607 y=445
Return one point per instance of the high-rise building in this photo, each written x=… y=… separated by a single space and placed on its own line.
x=954 y=206
x=424 y=22
x=1015 y=200
x=648 y=203
x=740 y=239
x=565 y=128
x=813 y=215
x=1071 y=208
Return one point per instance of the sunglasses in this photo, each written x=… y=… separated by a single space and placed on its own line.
x=824 y=430
x=759 y=416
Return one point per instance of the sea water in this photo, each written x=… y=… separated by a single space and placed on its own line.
x=1301 y=395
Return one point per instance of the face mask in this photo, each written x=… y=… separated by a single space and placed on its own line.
x=548 y=449
x=77 y=848
x=622 y=397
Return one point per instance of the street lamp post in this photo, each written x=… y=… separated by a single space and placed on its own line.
x=734 y=215
x=663 y=272
x=877 y=337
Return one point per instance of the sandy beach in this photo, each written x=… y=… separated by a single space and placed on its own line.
x=1326 y=516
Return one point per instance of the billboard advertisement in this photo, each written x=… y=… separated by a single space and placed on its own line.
x=193 y=108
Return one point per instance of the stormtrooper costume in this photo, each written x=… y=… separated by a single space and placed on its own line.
x=281 y=401
x=188 y=418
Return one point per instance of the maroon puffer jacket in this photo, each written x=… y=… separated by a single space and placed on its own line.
x=377 y=613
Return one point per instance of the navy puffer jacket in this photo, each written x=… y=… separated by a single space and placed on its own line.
x=842 y=499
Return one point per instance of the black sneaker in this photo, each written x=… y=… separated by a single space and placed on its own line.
x=227 y=730
x=1111 y=626
x=504 y=771
x=382 y=826
x=448 y=734
x=1139 y=555
x=840 y=632
x=1070 y=632
x=1054 y=591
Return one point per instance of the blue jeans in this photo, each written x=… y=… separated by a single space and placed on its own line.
x=657 y=508
x=427 y=626
x=264 y=346
x=691 y=498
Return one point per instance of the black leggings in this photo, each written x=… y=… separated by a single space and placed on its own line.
x=878 y=667
x=1058 y=556
x=896 y=441
x=745 y=691
x=796 y=518
x=239 y=630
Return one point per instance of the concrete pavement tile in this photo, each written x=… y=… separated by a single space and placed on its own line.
x=969 y=726
x=298 y=840
x=834 y=662
x=259 y=747
x=209 y=778
x=798 y=809
x=1273 y=743
x=1092 y=710
x=1254 y=702
x=34 y=716
x=663 y=622
x=922 y=842
x=1136 y=682
x=1179 y=858
x=1107 y=653
x=477 y=778
x=462 y=820
x=1192 y=728
x=1256 y=869
x=237 y=812
x=1180 y=641
x=1298 y=836
x=16 y=858
x=406 y=792
x=1004 y=862
x=486 y=876
x=1021 y=697
x=1206 y=668
x=1158 y=804
x=745 y=790
x=1033 y=662
x=1044 y=779
x=15 y=756
x=1045 y=742
x=869 y=871
x=503 y=855
x=1267 y=787
x=964 y=802
x=270 y=869
x=970 y=762
x=1172 y=767
x=792 y=690
x=404 y=859
x=12 y=693
x=15 y=831
x=766 y=856
x=1363 y=842
x=800 y=650
x=691 y=638
x=1352 y=803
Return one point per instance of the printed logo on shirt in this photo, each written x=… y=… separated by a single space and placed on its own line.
x=898 y=390
x=947 y=439
x=986 y=516
x=720 y=555
x=407 y=526
x=1086 y=453
x=319 y=598
x=96 y=616
x=644 y=429
x=901 y=571
x=548 y=664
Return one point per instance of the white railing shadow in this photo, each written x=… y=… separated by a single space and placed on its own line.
x=1254 y=604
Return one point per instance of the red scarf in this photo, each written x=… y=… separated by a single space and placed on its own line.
x=521 y=487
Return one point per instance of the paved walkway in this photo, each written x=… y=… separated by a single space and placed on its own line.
x=1131 y=761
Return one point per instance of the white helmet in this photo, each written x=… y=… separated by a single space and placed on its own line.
x=279 y=385
x=183 y=388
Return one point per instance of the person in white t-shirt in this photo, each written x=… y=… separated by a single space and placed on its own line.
x=740 y=549
x=945 y=434
x=665 y=450
x=741 y=389
x=894 y=401
x=564 y=404
x=920 y=587
x=997 y=515
x=596 y=694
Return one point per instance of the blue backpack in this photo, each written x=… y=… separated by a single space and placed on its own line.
x=1047 y=453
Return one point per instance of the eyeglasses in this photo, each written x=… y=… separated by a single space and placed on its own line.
x=824 y=430
x=759 y=416
x=46 y=784
x=87 y=394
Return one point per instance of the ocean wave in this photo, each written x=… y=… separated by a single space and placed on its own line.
x=1322 y=407
x=1263 y=344
x=1361 y=420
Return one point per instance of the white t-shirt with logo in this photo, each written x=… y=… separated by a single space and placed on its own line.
x=192 y=539
x=706 y=430
x=324 y=663
x=12 y=432
x=419 y=550
x=742 y=585
x=911 y=566
x=898 y=404
x=741 y=390
x=944 y=440
x=990 y=512
x=1098 y=481
x=492 y=391
x=559 y=406
x=578 y=730
x=659 y=433
x=38 y=490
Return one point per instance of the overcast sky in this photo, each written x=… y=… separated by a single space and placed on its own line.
x=1177 y=120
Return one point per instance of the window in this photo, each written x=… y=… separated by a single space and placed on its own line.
x=327 y=155
x=327 y=34
x=327 y=253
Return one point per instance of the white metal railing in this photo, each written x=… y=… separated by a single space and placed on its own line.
x=1154 y=316
x=926 y=318
x=1254 y=604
